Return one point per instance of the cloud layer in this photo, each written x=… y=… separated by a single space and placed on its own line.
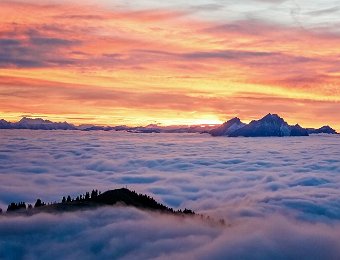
x=121 y=233
x=187 y=170
x=278 y=196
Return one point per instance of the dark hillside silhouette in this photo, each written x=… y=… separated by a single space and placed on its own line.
x=130 y=198
x=95 y=198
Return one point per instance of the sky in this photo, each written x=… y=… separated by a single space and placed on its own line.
x=170 y=62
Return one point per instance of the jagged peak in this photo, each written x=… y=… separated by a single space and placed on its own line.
x=269 y=115
x=234 y=120
x=272 y=117
x=325 y=127
x=28 y=119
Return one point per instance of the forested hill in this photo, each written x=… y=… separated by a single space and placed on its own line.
x=121 y=196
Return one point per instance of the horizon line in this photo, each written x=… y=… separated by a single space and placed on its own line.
x=146 y=124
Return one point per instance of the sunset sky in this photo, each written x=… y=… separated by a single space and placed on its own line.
x=170 y=62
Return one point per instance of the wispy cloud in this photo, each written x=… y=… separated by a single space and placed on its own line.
x=100 y=49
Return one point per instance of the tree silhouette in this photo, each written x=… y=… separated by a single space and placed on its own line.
x=16 y=206
x=188 y=211
x=39 y=203
x=11 y=207
x=87 y=196
x=94 y=194
x=22 y=205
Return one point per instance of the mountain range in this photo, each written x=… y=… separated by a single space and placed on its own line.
x=269 y=125
x=36 y=124
x=41 y=124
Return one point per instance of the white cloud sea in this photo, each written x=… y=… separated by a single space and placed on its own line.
x=279 y=196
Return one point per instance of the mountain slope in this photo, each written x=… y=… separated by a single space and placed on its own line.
x=4 y=124
x=228 y=127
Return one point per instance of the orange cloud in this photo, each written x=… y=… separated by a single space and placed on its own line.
x=80 y=61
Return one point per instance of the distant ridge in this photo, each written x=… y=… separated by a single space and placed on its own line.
x=322 y=130
x=41 y=124
x=36 y=124
x=269 y=125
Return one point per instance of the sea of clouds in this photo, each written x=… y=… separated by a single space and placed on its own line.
x=280 y=197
